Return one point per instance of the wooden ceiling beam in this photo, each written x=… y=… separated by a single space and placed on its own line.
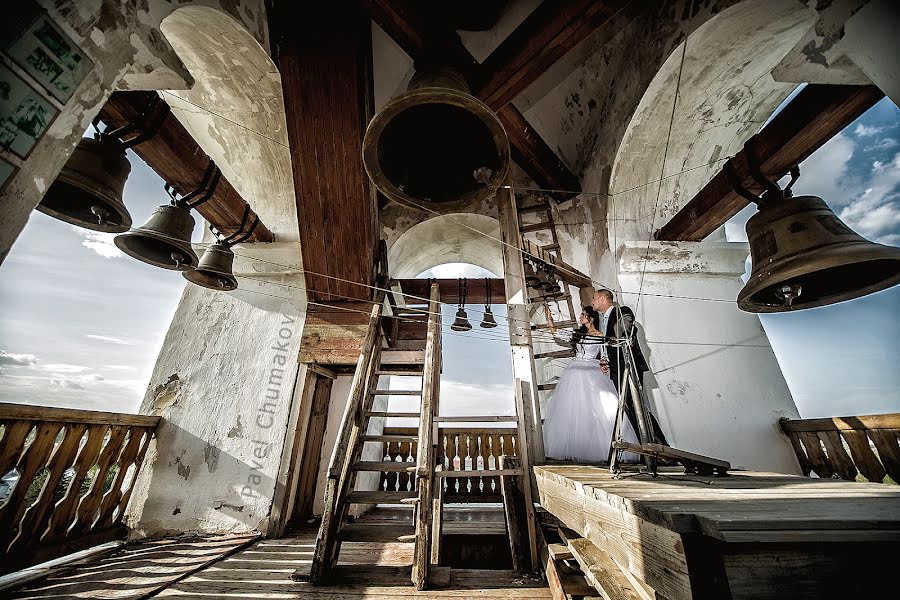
x=417 y=289
x=324 y=55
x=421 y=40
x=544 y=37
x=179 y=160
x=817 y=114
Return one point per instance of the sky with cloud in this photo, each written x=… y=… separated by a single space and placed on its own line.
x=81 y=324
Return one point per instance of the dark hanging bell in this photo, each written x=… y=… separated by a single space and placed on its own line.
x=88 y=190
x=462 y=321
x=804 y=256
x=436 y=143
x=214 y=270
x=487 y=321
x=164 y=240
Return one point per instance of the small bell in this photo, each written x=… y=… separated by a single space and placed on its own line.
x=462 y=321
x=487 y=321
x=804 y=256
x=164 y=240
x=214 y=270
x=88 y=190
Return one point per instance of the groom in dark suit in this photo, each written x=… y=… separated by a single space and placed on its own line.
x=610 y=325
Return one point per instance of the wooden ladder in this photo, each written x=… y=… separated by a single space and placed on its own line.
x=346 y=459
x=542 y=206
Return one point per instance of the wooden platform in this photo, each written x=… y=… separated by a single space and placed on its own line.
x=263 y=571
x=750 y=535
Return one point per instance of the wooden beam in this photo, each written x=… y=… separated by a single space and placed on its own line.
x=179 y=160
x=862 y=422
x=420 y=39
x=814 y=116
x=417 y=289
x=325 y=58
x=544 y=37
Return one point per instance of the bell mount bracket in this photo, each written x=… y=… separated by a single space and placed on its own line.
x=239 y=234
x=145 y=125
x=203 y=192
x=771 y=190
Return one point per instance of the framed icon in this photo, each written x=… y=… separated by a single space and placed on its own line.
x=37 y=45
x=25 y=115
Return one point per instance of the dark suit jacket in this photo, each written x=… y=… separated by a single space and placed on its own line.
x=616 y=355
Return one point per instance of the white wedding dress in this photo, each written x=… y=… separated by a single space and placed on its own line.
x=582 y=411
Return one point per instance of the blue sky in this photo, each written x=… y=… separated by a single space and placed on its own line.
x=81 y=324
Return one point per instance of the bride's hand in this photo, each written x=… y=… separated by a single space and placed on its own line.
x=604 y=366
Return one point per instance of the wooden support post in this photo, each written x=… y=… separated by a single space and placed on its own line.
x=425 y=466
x=437 y=519
x=515 y=511
x=517 y=314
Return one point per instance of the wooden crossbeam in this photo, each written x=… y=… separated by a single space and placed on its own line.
x=179 y=160
x=817 y=114
x=476 y=290
x=421 y=39
x=544 y=37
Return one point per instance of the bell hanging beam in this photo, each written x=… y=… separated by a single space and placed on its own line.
x=178 y=159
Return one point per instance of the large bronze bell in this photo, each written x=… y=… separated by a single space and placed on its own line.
x=214 y=270
x=436 y=143
x=164 y=240
x=804 y=256
x=88 y=190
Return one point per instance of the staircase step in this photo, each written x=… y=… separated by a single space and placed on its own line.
x=402 y=357
x=534 y=208
x=560 y=325
x=536 y=227
x=544 y=387
x=397 y=393
x=381 y=532
x=400 y=373
x=379 y=497
x=390 y=438
x=398 y=415
x=550 y=247
x=556 y=354
x=387 y=466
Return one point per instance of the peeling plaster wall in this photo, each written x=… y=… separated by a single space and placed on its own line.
x=223 y=383
x=415 y=245
x=715 y=383
x=129 y=51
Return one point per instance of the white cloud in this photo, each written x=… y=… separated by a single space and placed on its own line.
x=882 y=144
x=17 y=360
x=99 y=242
x=110 y=339
x=63 y=368
x=875 y=213
x=120 y=367
x=866 y=130
x=66 y=383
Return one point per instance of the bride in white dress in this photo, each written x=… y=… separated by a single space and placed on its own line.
x=582 y=411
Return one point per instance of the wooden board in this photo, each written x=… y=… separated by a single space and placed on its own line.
x=328 y=103
x=136 y=569
x=333 y=335
x=600 y=570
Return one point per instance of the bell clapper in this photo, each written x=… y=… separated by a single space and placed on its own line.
x=790 y=293
x=483 y=175
x=178 y=257
x=101 y=213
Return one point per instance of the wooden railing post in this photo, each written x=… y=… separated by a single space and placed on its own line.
x=48 y=514
x=821 y=446
x=425 y=461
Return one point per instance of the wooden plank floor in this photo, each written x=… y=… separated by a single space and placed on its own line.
x=744 y=501
x=135 y=571
x=371 y=570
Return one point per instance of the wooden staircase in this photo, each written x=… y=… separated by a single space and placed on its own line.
x=346 y=460
x=546 y=223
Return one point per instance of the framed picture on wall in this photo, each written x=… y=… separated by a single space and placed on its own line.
x=6 y=172
x=42 y=50
x=25 y=115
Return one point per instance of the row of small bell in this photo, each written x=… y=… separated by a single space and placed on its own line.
x=461 y=323
x=88 y=193
x=540 y=279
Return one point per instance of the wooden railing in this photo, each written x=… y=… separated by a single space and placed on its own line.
x=67 y=476
x=844 y=447
x=458 y=449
